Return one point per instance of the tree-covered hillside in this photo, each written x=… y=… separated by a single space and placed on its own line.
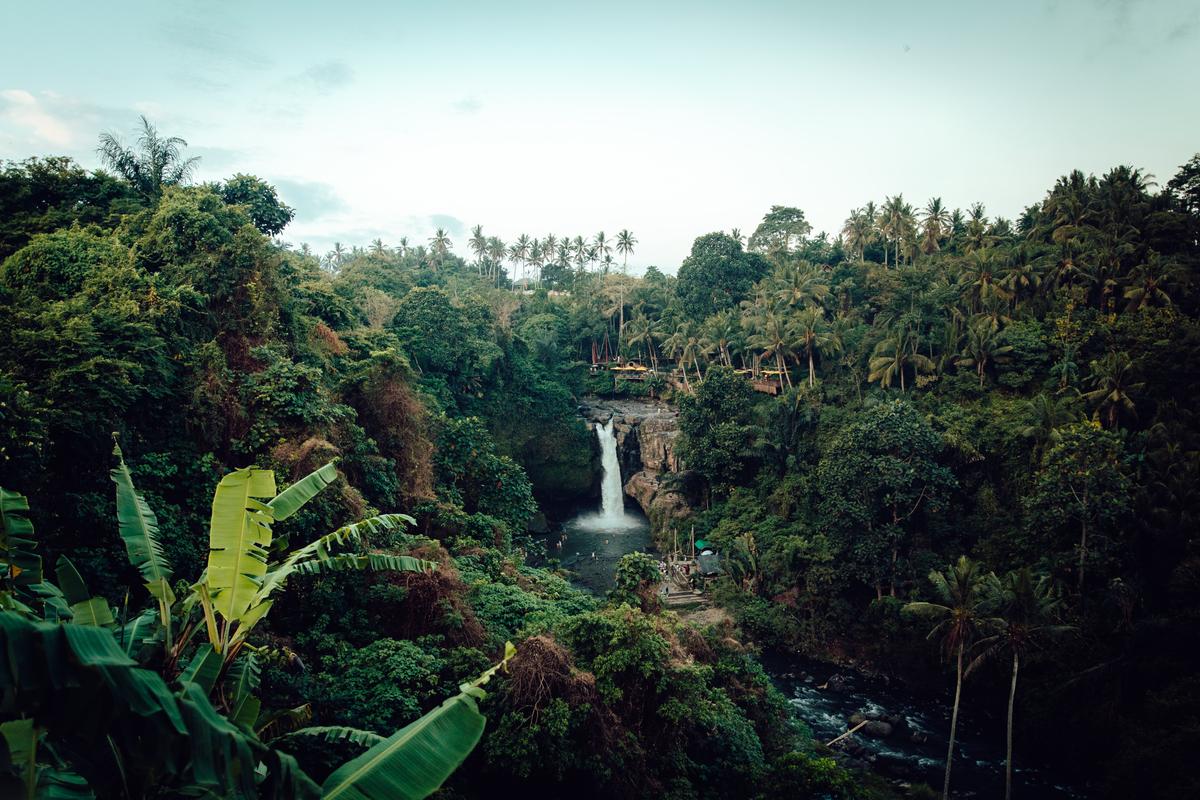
x=934 y=428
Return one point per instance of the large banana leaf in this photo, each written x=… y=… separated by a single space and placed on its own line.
x=331 y=733
x=20 y=737
x=204 y=668
x=290 y=500
x=139 y=530
x=239 y=536
x=376 y=562
x=21 y=565
x=414 y=761
x=321 y=549
x=85 y=609
x=243 y=682
x=78 y=685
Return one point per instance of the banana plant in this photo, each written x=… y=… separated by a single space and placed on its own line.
x=85 y=609
x=22 y=585
x=236 y=590
x=139 y=530
x=21 y=564
x=65 y=679
x=63 y=687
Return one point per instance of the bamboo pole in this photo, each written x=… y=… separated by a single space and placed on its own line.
x=832 y=742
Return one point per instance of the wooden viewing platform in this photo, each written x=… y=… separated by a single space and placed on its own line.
x=768 y=383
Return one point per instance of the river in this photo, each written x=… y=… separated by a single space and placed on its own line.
x=826 y=696
x=823 y=695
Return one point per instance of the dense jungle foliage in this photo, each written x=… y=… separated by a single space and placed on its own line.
x=264 y=646
x=1015 y=392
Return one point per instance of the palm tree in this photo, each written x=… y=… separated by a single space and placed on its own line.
x=601 y=246
x=440 y=245
x=1147 y=282
x=1028 y=607
x=614 y=291
x=980 y=280
x=518 y=251
x=157 y=161
x=983 y=347
x=960 y=612
x=1022 y=278
x=1112 y=380
x=815 y=336
x=496 y=251
x=479 y=245
x=800 y=285
x=625 y=244
x=893 y=355
x=336 y=256
x=897 y=223
x=643 y=331
x=1049 y=413
x=935 y=226
x=870 y=215
x=859 y=231
x=580 y=246
x=403 y=245
x=563 y=254
x=720 y=335
x=976 y=229
x=537 y=257
x=683 y=345
x=773 y=337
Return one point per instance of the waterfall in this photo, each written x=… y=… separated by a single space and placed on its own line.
x=612 y=495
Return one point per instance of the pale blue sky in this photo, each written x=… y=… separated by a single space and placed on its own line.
x=671 y=119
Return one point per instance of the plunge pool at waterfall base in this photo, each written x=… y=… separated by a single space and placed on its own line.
x=591 y=543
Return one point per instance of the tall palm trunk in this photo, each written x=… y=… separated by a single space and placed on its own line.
x=1012 y=694
x=783 y=368
x=810 y=368
x=953 y=725
x=621 y=323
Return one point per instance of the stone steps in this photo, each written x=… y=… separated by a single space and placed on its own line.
x=686 y=598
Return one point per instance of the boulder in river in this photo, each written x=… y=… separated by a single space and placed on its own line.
x=836 y=683
x=871 y=725
x=877 y=729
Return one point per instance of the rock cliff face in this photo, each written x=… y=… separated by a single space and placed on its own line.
x=646 y=433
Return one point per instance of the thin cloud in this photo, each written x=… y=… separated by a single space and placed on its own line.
x=311 y=199
x=327 y=76
x=1185 y=30
x=452 y=225
x=467 y=105
x=30 y=116
x=214 y=45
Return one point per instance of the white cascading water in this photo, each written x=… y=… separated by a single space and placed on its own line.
x=612 y=495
